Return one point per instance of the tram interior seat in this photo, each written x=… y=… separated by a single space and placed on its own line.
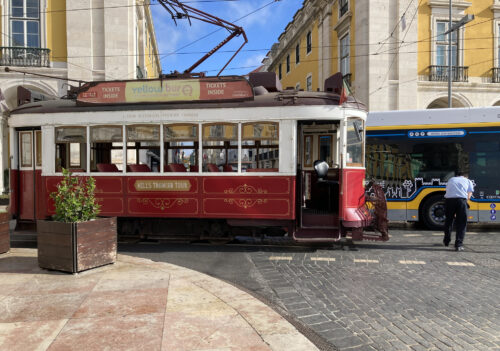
x=212 y=167
x=138 y=168
x=176 y=167
x=193 y=168
x=227 y=168
x=107 y=167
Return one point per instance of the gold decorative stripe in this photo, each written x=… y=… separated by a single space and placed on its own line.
x=245 y=203
x=163 y=204
x=245 y=189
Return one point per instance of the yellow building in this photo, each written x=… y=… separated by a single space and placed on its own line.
x=394 y=52
x=73 y=40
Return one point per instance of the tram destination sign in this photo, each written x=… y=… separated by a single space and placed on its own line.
x=165 y=91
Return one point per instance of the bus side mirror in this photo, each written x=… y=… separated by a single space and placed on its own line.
x=321 y=168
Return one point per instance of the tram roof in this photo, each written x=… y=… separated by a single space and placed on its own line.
x=266 y=99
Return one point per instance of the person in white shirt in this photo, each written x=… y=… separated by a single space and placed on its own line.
x=459 y=190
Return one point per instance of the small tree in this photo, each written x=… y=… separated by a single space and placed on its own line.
x=74 y=199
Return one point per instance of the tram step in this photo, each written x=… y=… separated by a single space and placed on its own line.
x=311 y=235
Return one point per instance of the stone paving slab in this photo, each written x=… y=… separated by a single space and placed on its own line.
x=134 y=304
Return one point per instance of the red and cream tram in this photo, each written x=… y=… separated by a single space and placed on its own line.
x=198 y=157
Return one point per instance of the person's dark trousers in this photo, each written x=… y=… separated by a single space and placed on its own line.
x=455 y=209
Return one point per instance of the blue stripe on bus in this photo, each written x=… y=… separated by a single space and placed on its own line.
x=384 y=135
x=487 y=132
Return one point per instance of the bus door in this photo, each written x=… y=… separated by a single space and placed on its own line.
x=319 y=199
x=29 y=175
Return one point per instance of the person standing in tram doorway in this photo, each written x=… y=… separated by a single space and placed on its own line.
x=459 y=189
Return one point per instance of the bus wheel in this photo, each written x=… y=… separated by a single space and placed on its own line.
x=433 y=213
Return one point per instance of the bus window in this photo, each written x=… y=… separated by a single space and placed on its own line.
x=485 y=166
x=143 y=148
x=181 y=147
x=106 y=146
x=355 y=143
x=220 y=147
x=260 y=147
x=71 y=148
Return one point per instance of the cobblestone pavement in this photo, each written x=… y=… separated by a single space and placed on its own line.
x=410 y=293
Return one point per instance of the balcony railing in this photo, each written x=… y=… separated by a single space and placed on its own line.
x=440 y=73
x=495 y=75
x=26 y=57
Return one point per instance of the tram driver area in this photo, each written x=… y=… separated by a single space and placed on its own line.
x=319 y=184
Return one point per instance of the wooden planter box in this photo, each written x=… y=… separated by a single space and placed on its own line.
x=76 y=247
x=4 y=232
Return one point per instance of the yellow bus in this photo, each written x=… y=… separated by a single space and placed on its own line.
x=412 y=154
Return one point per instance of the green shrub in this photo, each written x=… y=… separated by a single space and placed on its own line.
x=74 y=199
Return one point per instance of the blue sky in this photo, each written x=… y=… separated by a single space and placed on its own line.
x=180 y=46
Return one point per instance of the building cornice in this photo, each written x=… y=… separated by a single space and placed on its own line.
x=495 y=8
x=460 y=5
x=342 y=25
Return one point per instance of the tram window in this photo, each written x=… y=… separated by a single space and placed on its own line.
x=355 y=143
x=325 y=148
x=220 y=147
x=143 y=148
x=181 y=147
x=26 y=149
x=106 y=146
x=38 y=155
x=260 y=146
x=71 y=148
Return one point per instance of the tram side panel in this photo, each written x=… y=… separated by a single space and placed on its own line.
x=245 y=197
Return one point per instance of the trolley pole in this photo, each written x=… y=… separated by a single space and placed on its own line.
x=451 y=28
x=450 y=104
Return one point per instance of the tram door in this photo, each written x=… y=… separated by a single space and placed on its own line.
x=30 y=165
x=319 y=204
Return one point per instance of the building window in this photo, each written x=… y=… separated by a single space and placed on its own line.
x=309 y=83
x=297 y=54
x=25 y=23
x=343 y=7
x=344 y=55
x=279 y=71
x=442 y=45
x=309 y=42
x=287 y=63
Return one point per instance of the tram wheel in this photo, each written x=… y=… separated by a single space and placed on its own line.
x=433 y=213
